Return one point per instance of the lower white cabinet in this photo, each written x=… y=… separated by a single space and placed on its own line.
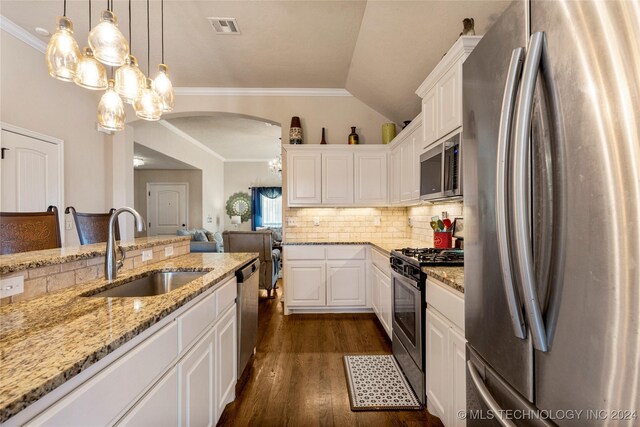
x=197 y=372
x=305 y=283
x=381 y=297
x=457 y=351
x=158 y=407
x=438 y=366
x=226 y=361
x=346 y=283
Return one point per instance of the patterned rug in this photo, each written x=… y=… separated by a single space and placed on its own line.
x=377 y=384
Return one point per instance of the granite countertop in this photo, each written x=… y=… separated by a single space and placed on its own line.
x=450 y=276
x=24 y=260
x=47 y=340
x=386 y=247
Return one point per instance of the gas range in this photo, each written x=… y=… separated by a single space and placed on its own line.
x=430 y=257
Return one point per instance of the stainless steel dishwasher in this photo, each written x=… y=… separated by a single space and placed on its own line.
x=248 y=281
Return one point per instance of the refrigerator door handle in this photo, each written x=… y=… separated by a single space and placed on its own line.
x=486 y=396
x=523 y=249
x=502 y=212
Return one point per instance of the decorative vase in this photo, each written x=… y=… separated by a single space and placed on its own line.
x=353 y=136
x=295 y=133
x=405 y=123
x=322 y=141
x=388 y=132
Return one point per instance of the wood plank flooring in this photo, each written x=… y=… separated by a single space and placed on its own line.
x=297 y=377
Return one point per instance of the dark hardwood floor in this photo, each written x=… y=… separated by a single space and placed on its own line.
x=297 y=377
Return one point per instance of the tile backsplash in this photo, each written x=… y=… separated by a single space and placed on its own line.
x=421 y=217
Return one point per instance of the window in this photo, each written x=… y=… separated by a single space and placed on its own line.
x=271 y=212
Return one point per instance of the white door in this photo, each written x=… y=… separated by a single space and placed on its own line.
x=305 y=283
x=450 y=100
x=167 y=206
x=458 y=359
x=396 y=170
x=371 y=179
x=304 y=178
x=31 y=173
x=159 y=407
x=385 y=303
x=197 y=394
x=437 y=357
x=375 y=290
x=430 y=116
x=337 y=179
x=407 y=174
x=418 y=145
x=226 y=361
x=346 y=283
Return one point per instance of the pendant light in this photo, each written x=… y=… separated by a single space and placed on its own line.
x=108 y=44
x=148 y=105
x=111 y=110
x=90 y=73
x=161 y=84
x=62 y=52
x=129 y=79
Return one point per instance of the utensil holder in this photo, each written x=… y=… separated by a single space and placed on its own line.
x=442 y=239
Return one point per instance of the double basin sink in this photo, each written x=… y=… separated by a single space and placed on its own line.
x=154 y=283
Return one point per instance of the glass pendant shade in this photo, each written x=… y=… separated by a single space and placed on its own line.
x=148 y=105
x=90 y=74
x=111 y=110
x=107 y=42
x=129 y=80
x=164 y=88
x=63 y=53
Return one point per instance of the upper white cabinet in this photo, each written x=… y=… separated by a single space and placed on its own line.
x=337 y=178
x=441 y=92
x=371 y=178
x=304 y=178
x=394 y=175
x=405 y=164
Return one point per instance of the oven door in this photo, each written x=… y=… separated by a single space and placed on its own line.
x=408 y=316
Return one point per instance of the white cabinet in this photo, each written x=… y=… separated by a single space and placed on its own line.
x=430 y=116
x=418 y=144
x=346 y=283
x=410 y=166
x=225 y=361
x=337 y=178
x=305 y=283
x=304 y=178
x=437 y=356
x=371 y=179
x=197 y=372
x=158 y=407
x=449 y=100
x=394 y=175
x=381 y=289
x=457 y=352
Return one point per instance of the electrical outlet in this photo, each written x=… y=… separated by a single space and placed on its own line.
x=68 y=224
x=291 y=222
x=316 y=221
x=410 y=222
x=168 y=251
x=147 y=255
x=209 y=220
x=376 y=220
x=11 y=286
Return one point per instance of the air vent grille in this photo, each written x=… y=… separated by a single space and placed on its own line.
x=224 y=25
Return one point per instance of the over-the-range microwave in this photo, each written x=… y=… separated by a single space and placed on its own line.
x=441 y=170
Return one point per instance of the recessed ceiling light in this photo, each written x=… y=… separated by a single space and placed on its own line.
x=42 y=32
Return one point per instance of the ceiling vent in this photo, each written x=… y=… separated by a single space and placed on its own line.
x=224 y=25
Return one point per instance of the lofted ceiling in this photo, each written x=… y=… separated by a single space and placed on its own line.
x=379 y=50
x=156 y=160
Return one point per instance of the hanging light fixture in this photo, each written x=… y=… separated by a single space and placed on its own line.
x=90 y=73
x=148 y=105
x=161 y=84
x=62 y=52
x=275 y=165
x=111 y=110
x=108 y=44
x=129 y=79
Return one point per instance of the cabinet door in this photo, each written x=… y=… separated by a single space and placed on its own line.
x=437 y=376
x=371 y=179
x=337 y=178
x=304 y=178
x=407 y=175
x=430 y=116
x=396 y=170
x=450 y=100
x=375 y=290
x=457 y=357
x=159 y=407
x=385 y=303
x=226 y=361
x=418 y=145
x=197 y=395
x=346 y=283
x=305 y=283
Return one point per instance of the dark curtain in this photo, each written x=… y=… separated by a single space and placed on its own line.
x=256 y=203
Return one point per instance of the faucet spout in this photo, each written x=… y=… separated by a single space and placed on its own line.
x=111 y=264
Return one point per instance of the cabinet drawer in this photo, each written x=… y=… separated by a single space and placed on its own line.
x=226 y=296
x=448 y=302
x=194 y=321
x=301 y=252
x=346 y=252
x=381 y=261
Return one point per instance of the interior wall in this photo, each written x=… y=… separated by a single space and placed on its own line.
x=159 y=138
x=239 y=176
x=141 y=177
x=31 y=99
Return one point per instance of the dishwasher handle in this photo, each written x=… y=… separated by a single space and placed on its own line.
x=247 y=271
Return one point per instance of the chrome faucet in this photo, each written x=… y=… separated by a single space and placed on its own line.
x=111 y=264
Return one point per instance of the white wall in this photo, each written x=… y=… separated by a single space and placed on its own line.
x=159 y=138
x=31 y=99
x=239 y=176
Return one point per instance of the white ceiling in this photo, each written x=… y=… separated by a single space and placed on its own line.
x=155 y=160
x=380 y=50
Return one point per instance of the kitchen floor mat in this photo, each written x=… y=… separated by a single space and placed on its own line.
x=376 y=384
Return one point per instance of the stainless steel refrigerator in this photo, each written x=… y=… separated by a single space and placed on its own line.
x=551 y=106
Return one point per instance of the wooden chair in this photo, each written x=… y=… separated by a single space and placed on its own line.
x=93 y=227
x=29 y=231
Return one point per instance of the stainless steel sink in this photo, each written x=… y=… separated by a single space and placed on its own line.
x=157 y=283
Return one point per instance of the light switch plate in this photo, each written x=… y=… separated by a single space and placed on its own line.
x=11 y=286
x=147 y=255
x=377 y=220
x=316 y=221
x=168 y=251
x=68 y=224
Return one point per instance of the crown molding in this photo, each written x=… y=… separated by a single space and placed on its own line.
x=258 y=91
x=189 y=138
x=21 y=34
